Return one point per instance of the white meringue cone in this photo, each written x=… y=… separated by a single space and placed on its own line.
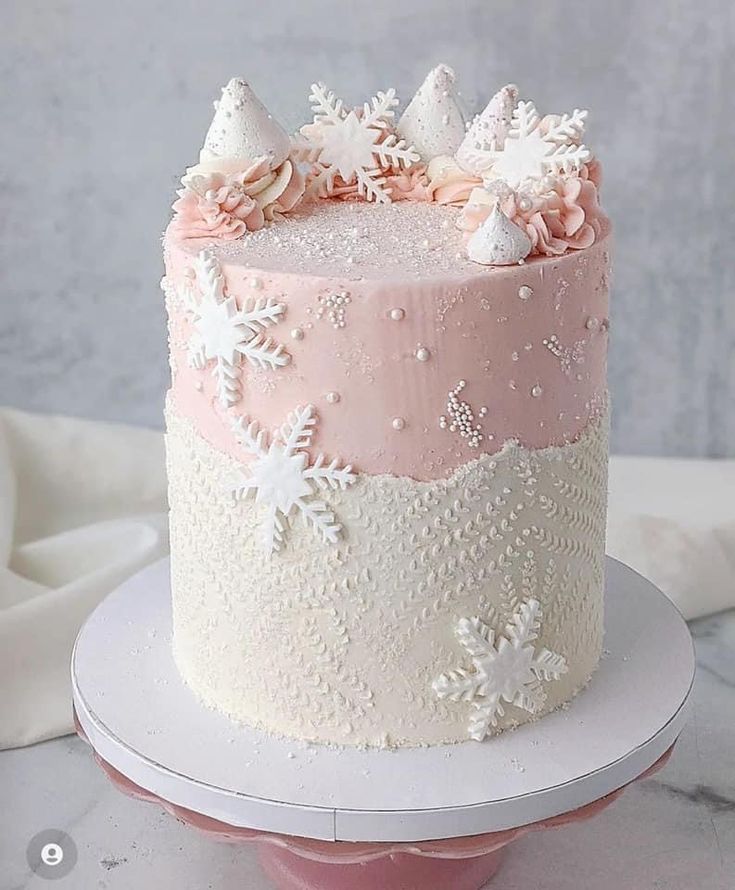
x=433 y=121
x=498 y=241
x=243 y=129
x=491 y=125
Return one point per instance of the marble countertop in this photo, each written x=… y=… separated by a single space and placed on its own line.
x=675 y=831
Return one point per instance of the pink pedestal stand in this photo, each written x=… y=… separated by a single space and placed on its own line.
x=294 y=863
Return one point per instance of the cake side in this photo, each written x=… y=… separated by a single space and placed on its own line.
x=387 y=425
x=391 y=363
x=344 y=644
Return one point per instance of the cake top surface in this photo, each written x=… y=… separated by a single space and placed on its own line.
x=352 y=240
x=356 y=240
x=362 y=192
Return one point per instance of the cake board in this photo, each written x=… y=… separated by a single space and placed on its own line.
x=154 y=736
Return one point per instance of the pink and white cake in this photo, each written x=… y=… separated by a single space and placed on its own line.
x=387 y=424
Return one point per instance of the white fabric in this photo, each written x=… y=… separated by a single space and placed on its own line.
x=82 y=507
x=673 y=521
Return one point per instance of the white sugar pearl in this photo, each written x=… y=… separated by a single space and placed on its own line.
x=256 y=283
x=398 y=423
x=536 y=391
x=423 y=354
x=332 y=397
x=297 y=334
x=525 y=292
x=397 y=314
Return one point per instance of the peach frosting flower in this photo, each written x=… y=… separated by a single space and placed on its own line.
x=443 y=181
x=565 y=215
x=449 y=183
x=402 y=185
x=225 y=202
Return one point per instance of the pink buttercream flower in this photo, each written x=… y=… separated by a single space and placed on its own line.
x=449 y=183
x=408 y=185
x=226 y=204
x=402 y=185
x=565 y=217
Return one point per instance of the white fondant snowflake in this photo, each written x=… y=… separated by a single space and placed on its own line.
x=224 y=333
x=283 y=479
x=531 y=151
x=509 y=670
x=352 y=144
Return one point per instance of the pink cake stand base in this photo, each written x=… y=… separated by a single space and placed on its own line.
x=294 y=863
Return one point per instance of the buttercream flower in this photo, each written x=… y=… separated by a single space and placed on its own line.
x=227 y=202
x=449 y=183
x=408 y=185
x=565 y=216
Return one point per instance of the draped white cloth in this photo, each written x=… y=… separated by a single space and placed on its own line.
x=83 y=506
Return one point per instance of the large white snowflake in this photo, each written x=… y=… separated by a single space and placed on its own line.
x=354 y=144
x=283 y=479
x=225 y=334
x=509 y=669
x=532 y=150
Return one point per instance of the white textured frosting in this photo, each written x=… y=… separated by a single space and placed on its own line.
x=498 y=241
x=433 y=121
x=244 y=129
x=344 y=644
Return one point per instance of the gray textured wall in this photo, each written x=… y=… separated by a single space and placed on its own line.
x=104 y=103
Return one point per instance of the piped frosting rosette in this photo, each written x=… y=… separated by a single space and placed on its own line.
x=536 y=170
x=245 y=176
x=565 y=215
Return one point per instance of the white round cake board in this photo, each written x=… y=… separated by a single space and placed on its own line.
x=141 y=718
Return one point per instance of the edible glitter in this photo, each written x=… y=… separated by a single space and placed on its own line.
x=334 y=238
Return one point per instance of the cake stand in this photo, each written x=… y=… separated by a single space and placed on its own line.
x=328 y=817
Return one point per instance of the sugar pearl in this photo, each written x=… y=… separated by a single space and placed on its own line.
x=297 y=334
x=422 y=354
x=256 y=283
x=525 y=292
x=398 y=423
x=332 y=397
x=536 y=391
x=397 y=314
x=592 y=323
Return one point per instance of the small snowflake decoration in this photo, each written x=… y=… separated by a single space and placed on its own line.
x=355 y=145
x=509 y=670
x=225 y=334
x=285 y=482
x=533 y=148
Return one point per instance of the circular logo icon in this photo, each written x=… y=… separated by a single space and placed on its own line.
x=51 y=854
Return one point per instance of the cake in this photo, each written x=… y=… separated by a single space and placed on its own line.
x=387 y=423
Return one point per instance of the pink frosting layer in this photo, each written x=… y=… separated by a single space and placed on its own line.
x=529 y=342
